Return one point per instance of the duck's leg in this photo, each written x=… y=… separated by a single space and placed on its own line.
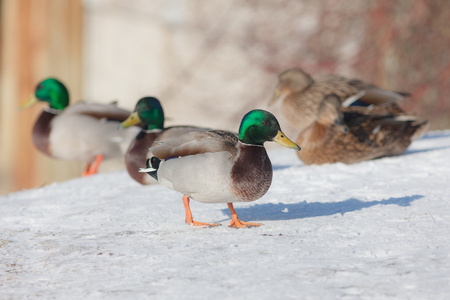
x=93 y=169
x=189 y=219
x=86 y=170
x=235 y=222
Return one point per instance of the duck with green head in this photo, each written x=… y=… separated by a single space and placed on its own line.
x=150 y=115
x=218 y=166
x=86 y=132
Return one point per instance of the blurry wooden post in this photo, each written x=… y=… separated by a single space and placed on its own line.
x=38 y=39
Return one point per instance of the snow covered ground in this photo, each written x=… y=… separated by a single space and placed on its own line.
x=378 y=229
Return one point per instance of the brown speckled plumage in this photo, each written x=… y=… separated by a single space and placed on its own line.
x=370 y=135
x=302 y=95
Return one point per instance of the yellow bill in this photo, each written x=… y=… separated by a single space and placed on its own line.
x=283 y=140
x=132 y=119
x=30 y=102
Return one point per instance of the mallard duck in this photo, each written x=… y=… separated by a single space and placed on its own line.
x=354 y=134
x=149 y=113
x=298 y=96
x=219 y=166
x=86 y=132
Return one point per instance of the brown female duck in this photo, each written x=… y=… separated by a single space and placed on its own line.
x=298 y=95
x=355 y=134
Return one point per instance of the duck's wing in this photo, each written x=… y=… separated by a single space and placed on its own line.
x=110 y=112
x=196 y=143
x=176 y=131
x=375 y=95
x=381 y=130
x=372 y=94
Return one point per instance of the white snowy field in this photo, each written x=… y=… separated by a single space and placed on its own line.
x=374 y=230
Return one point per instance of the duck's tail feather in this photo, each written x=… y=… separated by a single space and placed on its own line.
x=421 y=129
x=152 y=166
x=420 y=126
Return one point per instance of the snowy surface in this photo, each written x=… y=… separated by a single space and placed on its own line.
x=378 y=229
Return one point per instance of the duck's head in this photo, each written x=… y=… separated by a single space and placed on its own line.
x=148 y=112
x=52 y=91
x=290 y=81
x=259 y=126
x=330 y=113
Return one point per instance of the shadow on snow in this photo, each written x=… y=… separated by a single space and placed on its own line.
x=431 y=136
x=436 y=135
x=282 y=167
x=271 y=211
x=408 y=152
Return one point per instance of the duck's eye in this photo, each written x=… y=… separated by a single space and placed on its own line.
x=265 y=123
x=40 y=87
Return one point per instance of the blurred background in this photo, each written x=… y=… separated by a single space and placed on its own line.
x=208 y=61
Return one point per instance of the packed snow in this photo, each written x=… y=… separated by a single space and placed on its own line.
x=377 y=229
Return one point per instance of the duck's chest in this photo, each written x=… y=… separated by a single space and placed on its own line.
x=139 y=147
x=251 y=174
x=41 y=132
x=137 y=155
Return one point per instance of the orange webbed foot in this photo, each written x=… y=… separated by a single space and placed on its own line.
x=189 y=220
x=236 y=223
x=202 y=224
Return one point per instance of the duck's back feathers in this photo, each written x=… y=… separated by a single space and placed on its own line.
x=110 y=112
x=197 y=143
x=345 y=87
x=169 y=133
